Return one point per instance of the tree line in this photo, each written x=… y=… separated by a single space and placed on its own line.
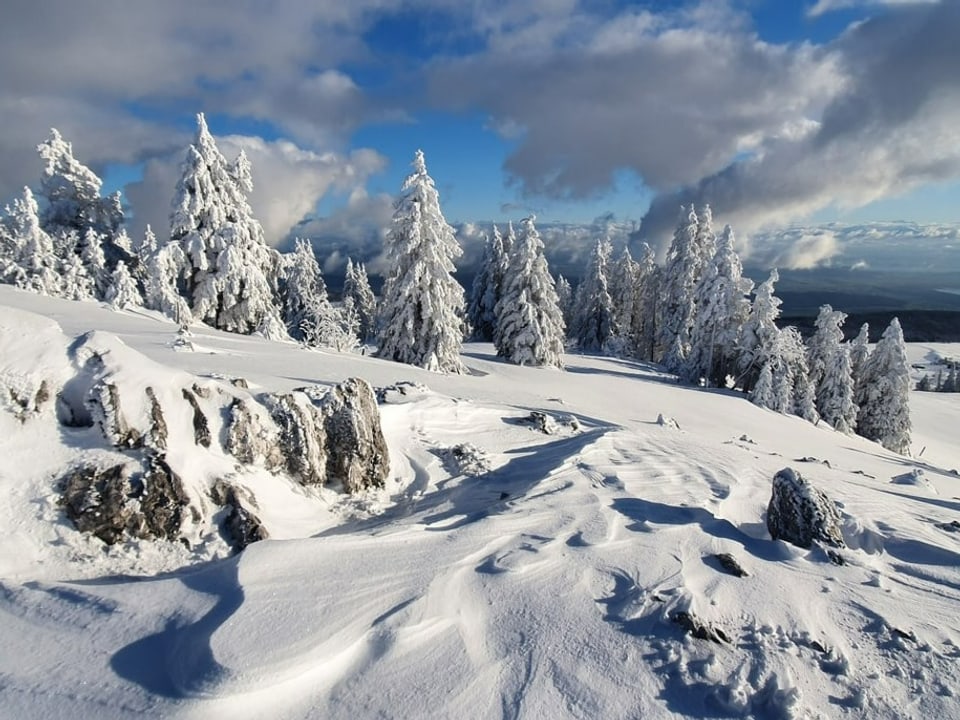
x=696 y=314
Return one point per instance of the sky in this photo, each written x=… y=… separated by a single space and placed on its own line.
x=776 y=112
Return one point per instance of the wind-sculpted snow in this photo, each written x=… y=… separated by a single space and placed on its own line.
x=565 y=575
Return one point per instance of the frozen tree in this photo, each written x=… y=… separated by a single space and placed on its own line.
x=164 y=268
x=327 y=326
x=760 y=334
x=485 y=291
x=593 y=309
x=37 y=266
x=230 y=274
x=530 y=328
x=305 y=292
x=356 y=288
x=830 y=370
x=122 y=292
x=722 y=310
x=95 y=262
x=706 y=240
x=762 y=393
x=72 y=192
x=565 y=299
x=624 y=297
x=421 y=310
x=796 y=393
x=835 y=393
x=77 y=284
x=646 y=312
x=679 y=279
x=859 y=351
x=884 y=414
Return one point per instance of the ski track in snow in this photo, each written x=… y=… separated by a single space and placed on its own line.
x=543 y=588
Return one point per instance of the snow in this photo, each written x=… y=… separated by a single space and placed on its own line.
x=544 y=587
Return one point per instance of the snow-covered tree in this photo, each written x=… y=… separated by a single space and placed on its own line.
x=305 y=292
x=77 y=284
x=485 y=291
x=722 y=311
x=835 y=393
x=122 y=292
x=645 y=329
x=72 y=192
x=36 y=264
x=760 y=334
x=859 y=352
x=624 y=300
x=164 y=268
x=678 y=282
x=762 y=393
x=830 y=370
x=420 y=319
x=530 y=328
x=95 y=261
x=565 y=299
x=593 y=321
x=324 y=325
x=356 y=288
x=884 y=413
x=230 y=274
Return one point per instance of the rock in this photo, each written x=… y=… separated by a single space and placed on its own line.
x=98 y=500
x=401 y=392
x=729 y=563
x=103 y=402
x=156 y=437
x=801 y=514
x=240 y=526
x=357 y=453
x=302 y=439
x=465 y=459
x=115 y=505
x=163 y=501
x=699 y=629
x=669 y=422
x=201 y=428
x=952 y=526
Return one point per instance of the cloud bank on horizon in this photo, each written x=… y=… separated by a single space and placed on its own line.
x=699 y=101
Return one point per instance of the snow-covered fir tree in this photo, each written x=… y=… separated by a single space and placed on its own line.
x=794 y=391
x=678 y=282
x=722 y=310
x=356 y=289
x=485 y=291
x=72 y=193
x=530 y=328
x=762 y=393
x=760 y=334
x=77 y=283
x=420 y=318
x=35 y=265
x=95 y=261
x=163 y=270
x=230 y=275
x=305 y=292
x=624 y=301
x=830 y=370
x=883 y=399
x=835 y=393
x=645 y=329
x=123 y=291
x=565 y=299
x=859 y=352
x=324 y=325
x=593 y=319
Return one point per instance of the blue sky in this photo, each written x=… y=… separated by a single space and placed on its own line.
x=776 y=112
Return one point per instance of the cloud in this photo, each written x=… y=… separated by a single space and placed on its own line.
x=891 y=126
x=824 y=6
x=288 y=181
x=671 y=96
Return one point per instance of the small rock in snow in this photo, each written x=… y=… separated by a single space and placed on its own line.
x=800 y=513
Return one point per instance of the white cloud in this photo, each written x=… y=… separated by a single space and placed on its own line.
x=824 y=6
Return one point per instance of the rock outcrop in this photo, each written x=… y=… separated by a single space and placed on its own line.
x=357 y=452
x=302 y=439
x=801 y=514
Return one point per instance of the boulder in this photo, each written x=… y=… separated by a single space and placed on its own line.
x=241 y=526
x=357 y=452
x=301 y=441
x=801 y=514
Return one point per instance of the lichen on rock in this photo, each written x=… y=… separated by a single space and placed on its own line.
x=801 y=514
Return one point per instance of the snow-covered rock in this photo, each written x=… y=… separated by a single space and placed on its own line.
x=801 y=514
x=357 y=453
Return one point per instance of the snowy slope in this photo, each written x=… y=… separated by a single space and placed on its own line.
x=541 y=587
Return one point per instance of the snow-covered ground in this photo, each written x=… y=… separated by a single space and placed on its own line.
x=536 y=580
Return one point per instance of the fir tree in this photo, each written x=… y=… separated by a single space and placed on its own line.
x=760 y=335
x=530 y=327
x=859 y=352
x=680 y=275
x=356 y=288
x=421 y=311
x=564 y=299
x=835 y=393
x=122 y=292
x=37 y=266
x=593 y=310
x=645 y=328
x=305 y=290
x=485 y=291
x=625 y=300
x=230 y=274
x=884 y=413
